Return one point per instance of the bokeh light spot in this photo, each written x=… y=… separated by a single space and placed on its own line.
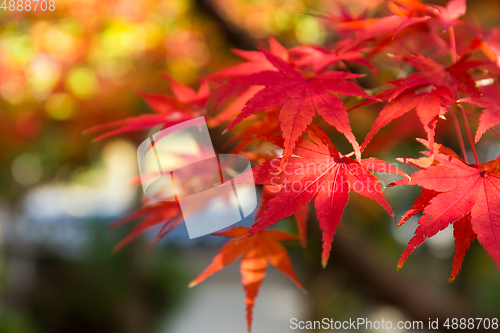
x=183 y=70
x=82 y=82
x=308 y=30
x=27 y=169
x=43 y=74
x=60 y=106
x=12 y=92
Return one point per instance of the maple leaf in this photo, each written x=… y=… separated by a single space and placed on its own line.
x=430 y=92
x=464 y=236
x=168 y=214
x=345 y=22
x=390 y=24
x=404 y=129
x=430 y=102
x=346 y=15
x=422 y=201
x=300 y=98
x=428 y=160
x=491 y=46
x=448 y=15
x=266 y=126
x=256 y=62
x=268 y=193
x=321 y=58
x=169 y=110
x=317 y=170
x=455 y=77
x=405 y=14
x=490 y=116
x=462 y=190
x=165 y=214
x=256 y=252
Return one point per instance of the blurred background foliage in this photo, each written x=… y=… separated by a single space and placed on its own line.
x=64 y=71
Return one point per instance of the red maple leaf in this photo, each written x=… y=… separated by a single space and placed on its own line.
x=401 y=130
x=266 y=125
x=430 y=92
x=428 y=160
x=169 y=110
x=406 y=13
x=448 y=15
x=318 y=170
x=455 y=77
x=166 y=214
x=256 y=62
x=256 y=252
x=345 y=15
x=300 y=98
x=320 y=58
x=431 y=102
x=457 y=193
x=491 y=113
x=344 y=20
x=268 y=193
x=464 y=235
x=490 y=45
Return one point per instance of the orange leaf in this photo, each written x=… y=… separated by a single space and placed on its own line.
x=257 y=252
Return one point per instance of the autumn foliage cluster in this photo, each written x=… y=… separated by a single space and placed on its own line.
x=443 y=69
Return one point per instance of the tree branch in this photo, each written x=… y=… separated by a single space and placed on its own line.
x=236 y=36
x=368 y=271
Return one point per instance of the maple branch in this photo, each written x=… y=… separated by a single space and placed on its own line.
x=235 y=35
x=361 y=265
x=459 y=135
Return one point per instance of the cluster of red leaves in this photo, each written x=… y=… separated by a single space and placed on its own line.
x=455 y=193
x=169 y=110
x=317 y=170
x=276 y=94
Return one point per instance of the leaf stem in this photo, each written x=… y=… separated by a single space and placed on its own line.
x=477 y=118
x=459 y=135
x=469 y=135
x=494 y=164
x=350 y=154
x=453 y=45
